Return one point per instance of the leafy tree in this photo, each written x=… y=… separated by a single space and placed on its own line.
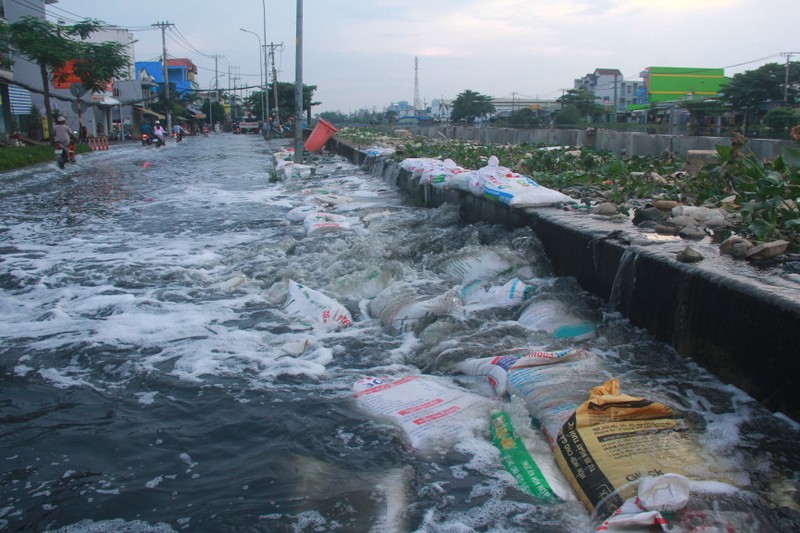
x=569 y=114
x=213 y=110
x=254 y=102
x=51 y=46
x=748 y=91
x=470 y=105
x=781 y=119
x=585 y=102
x=334 y=117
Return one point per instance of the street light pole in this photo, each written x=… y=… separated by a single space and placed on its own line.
x=298 y=86
x=261 y=65
x=266 y=68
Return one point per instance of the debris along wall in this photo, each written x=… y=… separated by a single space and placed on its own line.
x=745 y=332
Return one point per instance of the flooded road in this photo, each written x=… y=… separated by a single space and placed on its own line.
x=155 y=379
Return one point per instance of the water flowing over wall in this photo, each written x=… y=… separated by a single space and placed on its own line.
x=745 y=331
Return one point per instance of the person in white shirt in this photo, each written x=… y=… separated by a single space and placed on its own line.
x=159 y=132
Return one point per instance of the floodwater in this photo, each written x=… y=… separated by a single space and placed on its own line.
x=153 y=379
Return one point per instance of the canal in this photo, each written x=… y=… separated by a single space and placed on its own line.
x=155 y=379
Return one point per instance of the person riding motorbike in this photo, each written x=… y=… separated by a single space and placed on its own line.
x=63 y=136
x=177 y=132
x=159 y=132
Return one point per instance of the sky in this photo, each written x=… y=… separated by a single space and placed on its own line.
x=361 y=53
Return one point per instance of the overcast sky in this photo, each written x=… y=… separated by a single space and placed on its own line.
x=360 y=53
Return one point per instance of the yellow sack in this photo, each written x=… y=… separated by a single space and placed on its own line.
x=613 y=439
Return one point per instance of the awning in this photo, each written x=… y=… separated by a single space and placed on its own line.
x=195 y=112
x=149 y=112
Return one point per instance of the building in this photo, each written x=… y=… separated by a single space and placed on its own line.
x=606 y=84
x=507 y=106
x=18 y=102
x=670 y=84
x=441 y=109
x=181 y=74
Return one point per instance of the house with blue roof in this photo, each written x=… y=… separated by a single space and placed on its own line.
x=182 y=74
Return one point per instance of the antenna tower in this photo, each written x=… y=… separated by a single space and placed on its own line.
x=416 y=85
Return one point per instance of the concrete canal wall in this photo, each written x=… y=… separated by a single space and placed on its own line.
x=628 y=143
x=744 y=331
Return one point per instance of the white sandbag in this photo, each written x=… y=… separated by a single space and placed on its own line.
x=417 y=165
x=295 y=170
x=321 y=222
x=412 y=164
x=479 y=263
x=552 y=392
x=366 y=283
x=333 y=199
x=511 y=294
x=315 y=307
x=380 y=151
x=439 y=175
x=479 y=177
x=402 y=307
x=495 y=369
x=555 y=317
x=461 y=181
x=301 y=212
x=430 y=410
x=516 y=190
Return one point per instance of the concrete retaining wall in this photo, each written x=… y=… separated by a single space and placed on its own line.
x=746 y=333
x=628 y=143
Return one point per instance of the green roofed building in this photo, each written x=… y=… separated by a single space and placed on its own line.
x=668 y=84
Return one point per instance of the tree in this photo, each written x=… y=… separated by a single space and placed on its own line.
x=748 y=91
x=781 y=119
x=569 y=114
x=213 y=110
x=470 y=105
x=254 y=102
x=585 y=102
x=52 y=46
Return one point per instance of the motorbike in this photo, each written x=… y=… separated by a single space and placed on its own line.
x=65 y=154
x=178 y=136
x=146 y=140
x=158 y=141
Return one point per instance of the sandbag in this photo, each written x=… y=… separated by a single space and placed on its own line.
x=613 y=439
x=429 y=410
x=315 y=307
x=519 y=462
x=439 y=175
x=366 y=283
x=552 y=392
x=495 y=369
x=479 y=263
x=403 y=307
x=511 y=294
x=301 y=212
x=292 y=170
x=322 y=222
x=516 y=190
x=556 y=318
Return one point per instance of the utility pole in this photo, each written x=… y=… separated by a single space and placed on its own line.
x=298 y=86
x=216 y=83
x=786 y=79
x=272 y=47
x=230 y=92
x=164 y=26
